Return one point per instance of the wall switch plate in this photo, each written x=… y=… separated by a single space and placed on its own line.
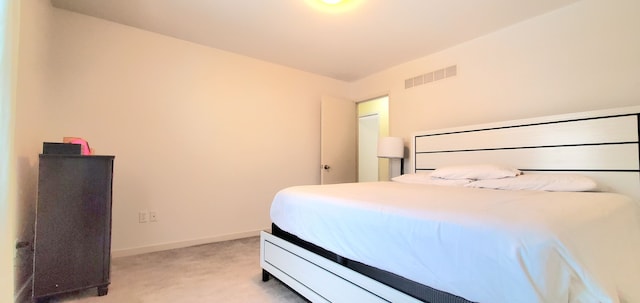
x=143 y=216
x=153 y=216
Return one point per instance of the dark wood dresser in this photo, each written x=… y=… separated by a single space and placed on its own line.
x=72 y=247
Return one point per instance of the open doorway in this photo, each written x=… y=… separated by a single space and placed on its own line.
x=373 y=123
x=368 y=134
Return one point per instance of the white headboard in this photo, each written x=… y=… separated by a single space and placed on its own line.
x=601 y=144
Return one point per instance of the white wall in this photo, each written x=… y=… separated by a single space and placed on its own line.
x=581 y=57
x=9 y=33
x=31 y=93
x=203 y=137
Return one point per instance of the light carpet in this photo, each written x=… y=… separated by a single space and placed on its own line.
x=219 y=272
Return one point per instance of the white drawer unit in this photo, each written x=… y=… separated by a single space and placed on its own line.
x=319 y=279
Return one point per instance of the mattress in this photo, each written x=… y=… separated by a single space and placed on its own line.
x=482 y=245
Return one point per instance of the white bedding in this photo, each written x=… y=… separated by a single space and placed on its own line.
x=481 y=244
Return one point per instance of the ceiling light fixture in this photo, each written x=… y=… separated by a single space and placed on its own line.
x=334 y=6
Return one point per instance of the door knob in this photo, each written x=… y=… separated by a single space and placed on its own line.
x=326 y=167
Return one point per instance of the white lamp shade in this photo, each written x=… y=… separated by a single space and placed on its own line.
x=390 y=147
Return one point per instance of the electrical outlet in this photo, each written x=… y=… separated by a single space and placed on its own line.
x=143 y=216
x=153 y=216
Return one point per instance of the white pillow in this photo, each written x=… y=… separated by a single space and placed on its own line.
x=426 y=178
x=475 y=172
x=539 y=181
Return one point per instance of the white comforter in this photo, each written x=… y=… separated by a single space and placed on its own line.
x=483 y=245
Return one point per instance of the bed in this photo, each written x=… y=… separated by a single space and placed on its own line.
x=409 y=241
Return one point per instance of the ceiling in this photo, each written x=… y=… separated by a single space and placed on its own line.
x=346 y=44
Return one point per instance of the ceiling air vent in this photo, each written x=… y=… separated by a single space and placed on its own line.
x=451 y=71
x=431 y=76
x=408 y=83
x=438 y=75
x=428 y=77
x=417 y=80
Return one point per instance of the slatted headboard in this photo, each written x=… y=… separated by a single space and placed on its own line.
x=601 y=144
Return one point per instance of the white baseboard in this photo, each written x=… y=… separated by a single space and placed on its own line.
x=21 y=294
x=181 y=244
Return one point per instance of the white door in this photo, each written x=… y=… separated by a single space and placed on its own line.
x=368 y=133
x=337 y=141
